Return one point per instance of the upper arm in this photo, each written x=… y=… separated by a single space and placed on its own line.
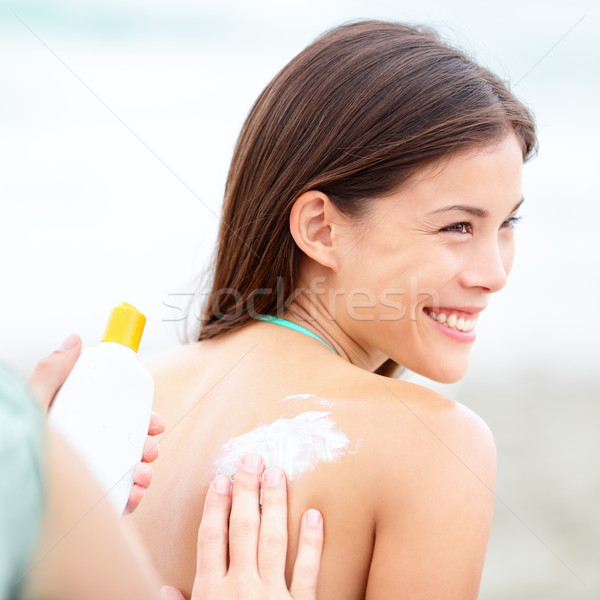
x=435 y=511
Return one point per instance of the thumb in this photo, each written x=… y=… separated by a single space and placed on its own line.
x=170 y=593
x=50 y=373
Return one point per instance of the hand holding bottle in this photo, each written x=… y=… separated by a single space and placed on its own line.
x=47 y=378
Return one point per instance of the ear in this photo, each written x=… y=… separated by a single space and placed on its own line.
x=314 y=224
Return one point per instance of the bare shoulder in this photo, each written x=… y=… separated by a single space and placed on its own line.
x=174 y=368
x=433 y=464
x=407 y=433
x=441 y=443
x=398 y=415
x=416 y=493
x=438 y=423
x=161 y=363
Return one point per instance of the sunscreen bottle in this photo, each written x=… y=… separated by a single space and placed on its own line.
x=103 y=409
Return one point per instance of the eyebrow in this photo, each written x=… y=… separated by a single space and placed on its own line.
x=472 y=210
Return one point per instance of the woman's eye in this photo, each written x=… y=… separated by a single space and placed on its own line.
x=510 y=223
x=464 y=227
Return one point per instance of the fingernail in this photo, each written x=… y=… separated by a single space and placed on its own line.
x=160 y=422
x=252 y=463
x=222 y=484
x=273 y=477
x=69 y=343
x=313 y=517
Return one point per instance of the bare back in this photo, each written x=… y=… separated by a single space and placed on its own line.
x=386 y=433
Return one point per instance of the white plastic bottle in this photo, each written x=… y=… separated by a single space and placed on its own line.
x=104 y=407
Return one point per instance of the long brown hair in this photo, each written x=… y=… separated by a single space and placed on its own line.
x=354 y=116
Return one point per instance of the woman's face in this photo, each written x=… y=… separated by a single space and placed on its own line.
x=417 y=253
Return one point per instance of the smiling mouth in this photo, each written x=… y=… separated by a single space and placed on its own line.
x=453 y=319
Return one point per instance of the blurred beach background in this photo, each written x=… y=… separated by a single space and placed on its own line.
x=118 y=121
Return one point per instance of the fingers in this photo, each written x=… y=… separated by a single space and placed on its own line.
x=244 y=523
x=135 y=497
x=306 y=567
x=170 y=593
x=231 y=525
x=142 y=478
x=157 y=424
x=142 y=475
x=156 y=427
x=213 y=536
x=272 y=543
x=51 y=372
x=150 y=450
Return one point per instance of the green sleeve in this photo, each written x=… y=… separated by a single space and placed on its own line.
x=22 y=442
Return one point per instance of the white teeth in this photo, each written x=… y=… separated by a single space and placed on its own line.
x=454 y=322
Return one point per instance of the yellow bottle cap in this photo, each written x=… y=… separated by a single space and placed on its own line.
x=125 y=326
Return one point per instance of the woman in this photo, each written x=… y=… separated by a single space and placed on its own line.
x=368 y=219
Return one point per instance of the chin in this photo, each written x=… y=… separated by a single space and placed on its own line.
x=450 y=372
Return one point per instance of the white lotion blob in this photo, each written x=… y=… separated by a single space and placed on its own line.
x=298 y=397
x=316 y=399
x=292 y=445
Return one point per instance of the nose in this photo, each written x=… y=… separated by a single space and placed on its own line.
x=488 y=266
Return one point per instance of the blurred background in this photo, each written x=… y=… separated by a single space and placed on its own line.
x=118 y=121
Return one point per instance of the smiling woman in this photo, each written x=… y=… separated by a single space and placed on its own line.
x=343 y=254
x=415 y=245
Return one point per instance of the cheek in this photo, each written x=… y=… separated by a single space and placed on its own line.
x=398 y=273
x=413 y=285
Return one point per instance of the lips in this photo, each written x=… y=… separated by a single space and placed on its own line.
x=461 y=319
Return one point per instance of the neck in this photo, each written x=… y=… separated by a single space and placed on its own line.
x=308 y=310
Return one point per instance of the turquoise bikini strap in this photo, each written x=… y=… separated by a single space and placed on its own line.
x=294 y=326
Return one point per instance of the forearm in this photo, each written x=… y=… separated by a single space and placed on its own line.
x=86 y=551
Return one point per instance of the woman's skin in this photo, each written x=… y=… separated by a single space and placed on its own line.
x=408 y=512
x=86 y=551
